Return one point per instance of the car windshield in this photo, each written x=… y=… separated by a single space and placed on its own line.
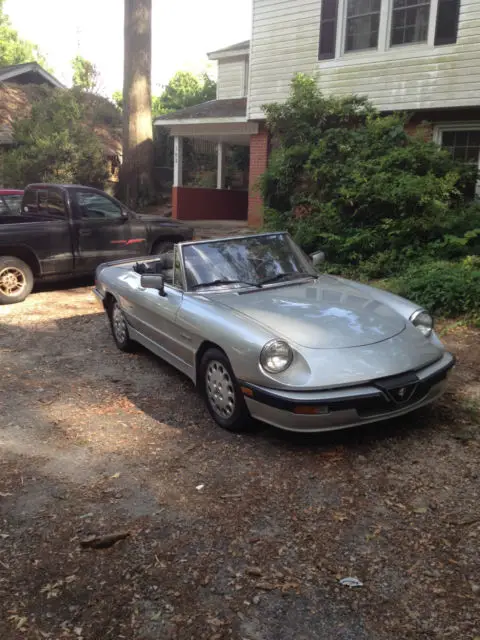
x=245 y=262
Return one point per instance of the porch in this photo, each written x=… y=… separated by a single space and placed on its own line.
x=223 y=125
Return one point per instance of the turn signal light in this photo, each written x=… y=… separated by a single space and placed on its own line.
x=246 y=391
x=305 y=410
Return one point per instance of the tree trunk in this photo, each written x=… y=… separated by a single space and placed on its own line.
x=136 y=176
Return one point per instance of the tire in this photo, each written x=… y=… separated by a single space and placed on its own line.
x=16 y=280
x=119 y=328
x=226 y=405
x=162 y=246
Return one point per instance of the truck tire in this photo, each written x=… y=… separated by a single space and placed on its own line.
x=16 y=280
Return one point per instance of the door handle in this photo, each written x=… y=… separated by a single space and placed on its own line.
x=85 y=232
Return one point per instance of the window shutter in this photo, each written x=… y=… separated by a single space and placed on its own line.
x=447 y=22
x=328 y=29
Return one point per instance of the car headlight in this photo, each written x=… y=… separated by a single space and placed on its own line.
x=423 y=321
x=276 y=356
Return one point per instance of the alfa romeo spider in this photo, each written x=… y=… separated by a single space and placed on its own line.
x=265 y=335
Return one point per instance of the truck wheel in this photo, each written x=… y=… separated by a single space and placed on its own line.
x=16 y=280
x=120 y=329
x=162 y=246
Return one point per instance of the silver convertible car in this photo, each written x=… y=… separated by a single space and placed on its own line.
x=263 y=335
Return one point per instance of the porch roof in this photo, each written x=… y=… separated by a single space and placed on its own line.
x=212 y=112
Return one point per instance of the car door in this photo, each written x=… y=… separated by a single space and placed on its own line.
x=155 y=317
x=102 y=230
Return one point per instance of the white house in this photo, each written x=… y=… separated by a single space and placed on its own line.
x=421 y=56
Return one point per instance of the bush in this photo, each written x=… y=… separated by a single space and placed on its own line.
x=444 y=288
x=346 y=179
x=56 y=144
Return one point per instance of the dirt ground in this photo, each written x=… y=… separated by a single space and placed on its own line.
x=231 y=537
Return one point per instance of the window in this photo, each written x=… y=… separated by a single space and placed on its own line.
x=349 y=26
x=56 y=205
x=328 y=29
x=410 y=21
x=447 y=22
x=43 y=201
x=363 y=21
x=30 y=201
x=96 y=207
x=14 y=203
x=463 y=143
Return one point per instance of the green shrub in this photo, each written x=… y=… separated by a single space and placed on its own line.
x=351 y=181
x=56 y=143
x=444 y=288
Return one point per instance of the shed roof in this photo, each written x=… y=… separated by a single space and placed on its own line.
x=15 y=71
x=213 y=109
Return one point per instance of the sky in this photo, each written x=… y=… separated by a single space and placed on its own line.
x=183 y=32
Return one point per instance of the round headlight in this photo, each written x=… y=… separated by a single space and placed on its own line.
x=423 y=321
x=276 y=356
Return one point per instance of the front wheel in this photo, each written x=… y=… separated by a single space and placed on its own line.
x=120 y=329
x=222 y=393
x=16 y=280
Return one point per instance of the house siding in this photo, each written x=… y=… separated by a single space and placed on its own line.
x=231 y=78
x=285 y=41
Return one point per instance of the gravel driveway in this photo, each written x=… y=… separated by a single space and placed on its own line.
x=230 y=537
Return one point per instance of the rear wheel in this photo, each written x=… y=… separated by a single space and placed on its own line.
x=16 y=280
x=222 y=393
x=120 y=329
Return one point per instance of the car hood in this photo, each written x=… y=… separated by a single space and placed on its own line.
x=321 y=314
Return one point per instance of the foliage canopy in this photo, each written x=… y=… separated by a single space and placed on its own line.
x=56 y=144
x=345 y=178
x=85 y=74
x=13 y=48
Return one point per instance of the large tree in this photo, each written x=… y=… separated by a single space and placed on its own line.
x=136 y=186
x=184 y=90
x=13 y=49
x=85 y=74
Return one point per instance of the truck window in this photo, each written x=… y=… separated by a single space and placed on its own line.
x=30 y=201
x=94 y=206
x=14 y=203
x=43 y=201
x=56 y=205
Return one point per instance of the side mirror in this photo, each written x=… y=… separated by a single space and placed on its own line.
x=153 y=282
x=318 y=258
x=124 y=214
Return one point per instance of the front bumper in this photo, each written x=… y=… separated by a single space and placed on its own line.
x=341 y=408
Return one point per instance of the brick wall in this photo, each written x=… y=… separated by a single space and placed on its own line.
x=428 y=119
x=259 y=149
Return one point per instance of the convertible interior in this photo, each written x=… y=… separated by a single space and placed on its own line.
x=161 y=265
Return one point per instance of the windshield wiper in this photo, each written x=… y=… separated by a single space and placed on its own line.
x=288 y=274
x=224 y=281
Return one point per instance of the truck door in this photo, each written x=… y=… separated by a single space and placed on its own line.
x=103 y=231
x=51 y=238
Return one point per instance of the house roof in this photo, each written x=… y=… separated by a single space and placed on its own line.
x=14 y=71
x=221 y=110
x=240 y=48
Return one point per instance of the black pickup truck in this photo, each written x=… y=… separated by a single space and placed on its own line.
x=68 y=230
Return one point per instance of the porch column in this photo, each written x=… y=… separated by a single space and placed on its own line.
x=220 y=165
x=177 y=161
